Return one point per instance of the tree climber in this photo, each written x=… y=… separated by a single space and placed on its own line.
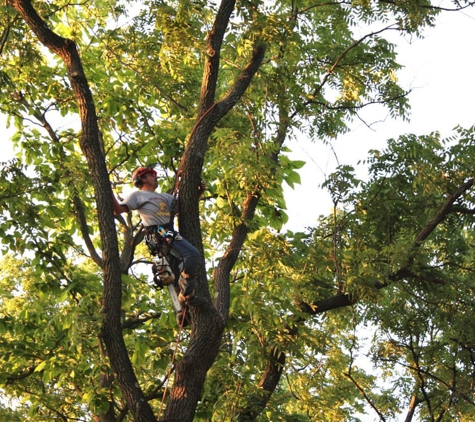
x=157 y=211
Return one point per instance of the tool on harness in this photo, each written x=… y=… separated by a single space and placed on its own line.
x=167 y=268
x=168 y=236
x=159 y=239
x=163 y=274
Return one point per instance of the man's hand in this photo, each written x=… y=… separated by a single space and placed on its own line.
x=118 y=208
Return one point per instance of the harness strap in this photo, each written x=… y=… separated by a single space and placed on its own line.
x=159 y=239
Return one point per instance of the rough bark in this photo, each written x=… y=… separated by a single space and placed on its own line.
x=207 y=323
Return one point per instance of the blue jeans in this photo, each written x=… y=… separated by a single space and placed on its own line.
x=191 y=259
x=182 y=250
x=190 y=256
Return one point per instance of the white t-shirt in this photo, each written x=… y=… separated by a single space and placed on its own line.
x=154 y=208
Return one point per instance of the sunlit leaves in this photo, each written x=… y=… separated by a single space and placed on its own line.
x=45 y=332
x=144 y=63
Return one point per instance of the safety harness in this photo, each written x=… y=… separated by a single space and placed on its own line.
x=159 y=240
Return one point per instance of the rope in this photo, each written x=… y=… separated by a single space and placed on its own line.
x=170 y=371
x=178 y=174
x=172 y=217
x=176 y=190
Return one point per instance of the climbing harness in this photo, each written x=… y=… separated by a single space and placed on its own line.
x=159 y=239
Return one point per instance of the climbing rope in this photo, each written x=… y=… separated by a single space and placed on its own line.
x=172 y=367
x=175 y=193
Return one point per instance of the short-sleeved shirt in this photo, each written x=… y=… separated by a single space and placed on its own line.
x=154 y=208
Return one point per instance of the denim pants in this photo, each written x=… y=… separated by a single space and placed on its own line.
x=184 y=250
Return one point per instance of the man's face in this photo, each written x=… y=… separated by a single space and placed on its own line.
x=150 y=181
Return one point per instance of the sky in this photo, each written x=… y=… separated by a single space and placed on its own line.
x=440 y=71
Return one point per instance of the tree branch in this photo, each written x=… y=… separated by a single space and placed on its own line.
x=83 y=226
x=137 y=322
x=228 y=260
x=268 y=383
x=443 y=212
x=415 y=401
x=242 y=82
x=337 y=61
x=343 y=299
x=213 y=54
x=85 y=231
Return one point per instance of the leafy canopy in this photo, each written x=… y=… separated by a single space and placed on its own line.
x=387 y=277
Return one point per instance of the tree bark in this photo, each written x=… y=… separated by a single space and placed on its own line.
x=267 y=384
x=412 y=407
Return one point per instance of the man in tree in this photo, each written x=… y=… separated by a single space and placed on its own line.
x=157 y=211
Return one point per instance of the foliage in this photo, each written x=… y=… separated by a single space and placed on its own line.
x=296 y=317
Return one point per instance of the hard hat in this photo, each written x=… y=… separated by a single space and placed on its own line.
x=141 y=172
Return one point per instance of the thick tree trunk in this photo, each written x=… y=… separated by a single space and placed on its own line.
x=207 y=323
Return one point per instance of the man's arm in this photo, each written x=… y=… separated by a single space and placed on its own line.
x=118 y=208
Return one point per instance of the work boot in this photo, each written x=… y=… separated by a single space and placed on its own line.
x=191 y=299
x=188 y=291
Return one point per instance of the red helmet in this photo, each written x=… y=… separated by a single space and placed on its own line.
x=141 y=172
